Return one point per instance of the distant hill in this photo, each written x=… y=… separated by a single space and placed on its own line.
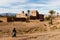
x=4 y=14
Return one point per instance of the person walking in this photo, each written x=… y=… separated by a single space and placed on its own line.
x=14 y=32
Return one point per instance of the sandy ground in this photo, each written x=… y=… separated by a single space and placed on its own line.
x=48 y=35
x=54 y=35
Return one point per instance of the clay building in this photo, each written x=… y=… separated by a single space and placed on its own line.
x=34 y=14
x=21 y=17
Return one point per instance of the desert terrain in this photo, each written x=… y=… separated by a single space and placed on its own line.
x=34 y=30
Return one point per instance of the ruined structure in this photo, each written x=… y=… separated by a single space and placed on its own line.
x=41 y=17
x=21 y=17
x=34 y=14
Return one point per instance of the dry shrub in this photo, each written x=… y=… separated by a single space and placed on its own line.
x=53 y=28
x=32 y=30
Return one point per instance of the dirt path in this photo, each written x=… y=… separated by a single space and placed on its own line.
x=54 y=35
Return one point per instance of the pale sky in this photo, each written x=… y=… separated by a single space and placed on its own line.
x=16 y=6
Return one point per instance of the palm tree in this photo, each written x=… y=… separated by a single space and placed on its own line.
x=51 y=13
x=28 y=11
x=57 y=14
x=28 y=16
x=22 y=11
